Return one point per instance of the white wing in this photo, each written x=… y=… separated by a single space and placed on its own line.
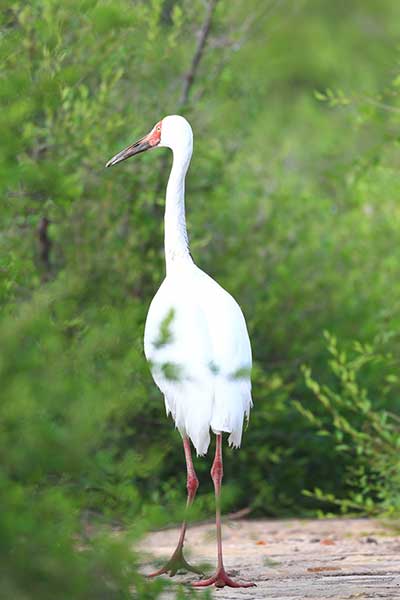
x=197 y=343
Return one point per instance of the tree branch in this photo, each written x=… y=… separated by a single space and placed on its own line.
x=44 y=247
x=201 y=44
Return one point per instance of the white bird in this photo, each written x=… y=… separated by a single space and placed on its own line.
x=196 y=341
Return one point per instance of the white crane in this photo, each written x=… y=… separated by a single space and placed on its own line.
x=196 y=341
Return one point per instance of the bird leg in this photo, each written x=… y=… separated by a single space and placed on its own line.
x=221 y=578
x=177 y=561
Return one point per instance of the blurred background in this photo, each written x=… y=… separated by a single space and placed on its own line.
x=292 y=205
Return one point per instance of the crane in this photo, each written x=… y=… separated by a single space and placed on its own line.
x=202 y=360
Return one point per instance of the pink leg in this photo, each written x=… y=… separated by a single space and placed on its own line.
x=177 y=560
x=221 y=578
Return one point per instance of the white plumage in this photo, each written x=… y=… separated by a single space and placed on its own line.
x=203 y=366
x=207 y=350
x=203 y=369
x=196 y=341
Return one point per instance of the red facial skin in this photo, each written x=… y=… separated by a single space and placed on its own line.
x=154 y=136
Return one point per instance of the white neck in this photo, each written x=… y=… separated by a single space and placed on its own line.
x=175 y=237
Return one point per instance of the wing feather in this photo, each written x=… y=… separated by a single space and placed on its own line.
x=203 y=364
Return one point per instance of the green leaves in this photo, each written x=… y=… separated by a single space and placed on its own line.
x=364 y=432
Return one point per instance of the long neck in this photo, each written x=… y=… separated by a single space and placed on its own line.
x=175 y=236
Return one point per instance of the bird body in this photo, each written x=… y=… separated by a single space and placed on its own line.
x=203 y=368
x=203 y=365
x=196 y=342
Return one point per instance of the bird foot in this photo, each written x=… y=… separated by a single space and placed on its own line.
x=176 y=563
x=220 y=580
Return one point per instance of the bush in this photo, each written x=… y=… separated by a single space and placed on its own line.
x=360 y=428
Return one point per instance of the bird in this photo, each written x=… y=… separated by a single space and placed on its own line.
x=196 y=342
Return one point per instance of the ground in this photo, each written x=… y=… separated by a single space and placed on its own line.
x=294 y=559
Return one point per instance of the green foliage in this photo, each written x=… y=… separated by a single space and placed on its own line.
x=366 y=433
x=292 y=203
x=56 y=436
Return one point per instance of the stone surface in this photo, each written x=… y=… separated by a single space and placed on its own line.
x=293 y=559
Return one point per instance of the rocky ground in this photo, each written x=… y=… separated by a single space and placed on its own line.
x=294 y=559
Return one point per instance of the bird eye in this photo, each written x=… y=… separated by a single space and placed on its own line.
x=158 y=128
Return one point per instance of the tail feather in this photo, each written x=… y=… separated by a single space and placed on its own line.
x=222 y=406
x=191 y=409
x=232 y=403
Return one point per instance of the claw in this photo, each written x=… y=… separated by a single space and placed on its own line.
x=220 y=580
x=176 y=563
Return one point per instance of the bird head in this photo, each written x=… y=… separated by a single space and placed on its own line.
x=171 y=132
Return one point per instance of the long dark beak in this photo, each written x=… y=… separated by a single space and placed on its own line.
x=140 y=146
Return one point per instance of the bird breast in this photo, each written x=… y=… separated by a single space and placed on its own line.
x=195 y=330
